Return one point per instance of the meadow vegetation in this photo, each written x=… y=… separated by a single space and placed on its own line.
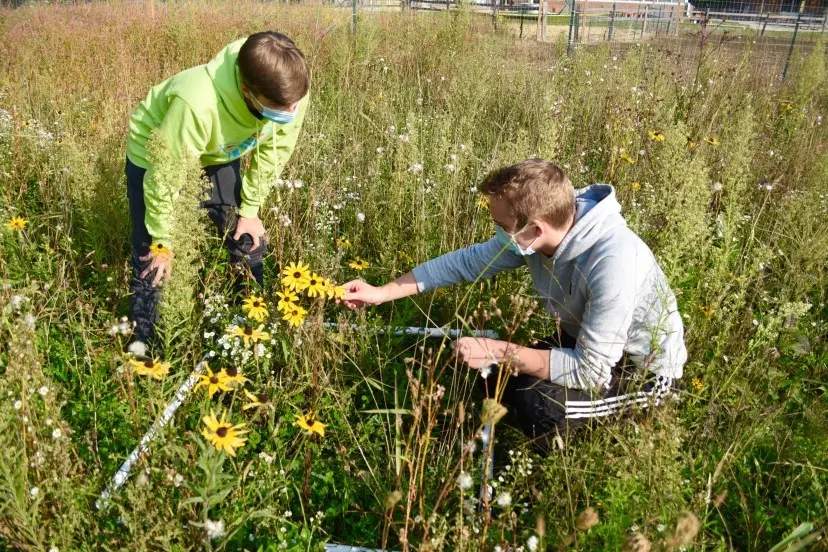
x=345 y=434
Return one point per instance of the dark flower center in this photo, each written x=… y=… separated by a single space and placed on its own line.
x=248 y=330
x=149 y=363
x=214 y=380
x=313 y=282
x=297 y=274
x=222 y=431
x=256 y=304
x=263 y=398
x=232 y=371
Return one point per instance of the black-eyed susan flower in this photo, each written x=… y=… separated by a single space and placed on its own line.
x=697 y=384
x=627 y=159
x=635 y=186
x=707 y=311
x=316 y=286
x=249 y=333
x=343 y=243
x=690 y=143
x=255 y=308
x=256 y=401
x=286 y=299
x=359 y=264
x=334 y=291
x=295 y=315
x=233 y=375
x=150 y=367
x=223 y=435
x=159 y=249
x=712 y=140
x=656 y=135
x=17 y=223
x=213 y=382
x=483 y=202
x=295 y=276
x=310 y=425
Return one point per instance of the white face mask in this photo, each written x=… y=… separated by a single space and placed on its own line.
x=509 y=240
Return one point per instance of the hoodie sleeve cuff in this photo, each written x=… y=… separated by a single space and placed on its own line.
x=248 y=211
x=562 y=365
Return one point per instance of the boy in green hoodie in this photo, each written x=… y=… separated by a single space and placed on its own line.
x=252 y=97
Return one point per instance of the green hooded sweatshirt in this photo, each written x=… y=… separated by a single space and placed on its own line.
x=202 y=110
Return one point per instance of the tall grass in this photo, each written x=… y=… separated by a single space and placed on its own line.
x=405 y=119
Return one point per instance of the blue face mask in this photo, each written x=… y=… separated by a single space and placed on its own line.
x=509 y=241
x=276 y=115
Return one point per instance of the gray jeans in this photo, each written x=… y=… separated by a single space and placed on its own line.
x=225 y=198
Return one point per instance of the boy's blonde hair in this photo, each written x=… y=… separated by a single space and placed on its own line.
x=271 y=65
x=535 y=188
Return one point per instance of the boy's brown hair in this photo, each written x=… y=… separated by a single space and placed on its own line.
x=535 y=188
x=271 y=65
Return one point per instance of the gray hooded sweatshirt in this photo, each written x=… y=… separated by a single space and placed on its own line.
x=603 y=284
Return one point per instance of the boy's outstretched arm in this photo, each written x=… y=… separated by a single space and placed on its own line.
x=360 y=294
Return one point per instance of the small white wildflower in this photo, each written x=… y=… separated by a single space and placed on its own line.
x=215 y=529
x=56 y=433
x=660 y=528
x=54 y=549
x=29 y=320
x=360 y=217
x=43 y=391
x=113 y=331
x=504 y=499
x=288 y=514
x=16 y=302
x=485 y=371
x=717 y=187
x=18 y=404
x=137 y=348
x=464 y=481
x=755 y=322
x=532 y=543
x=34 y=491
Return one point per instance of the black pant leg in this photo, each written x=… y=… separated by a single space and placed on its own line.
x=144 y=298
x=221 y=208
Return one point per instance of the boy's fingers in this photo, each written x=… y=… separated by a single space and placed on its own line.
x=146 y=257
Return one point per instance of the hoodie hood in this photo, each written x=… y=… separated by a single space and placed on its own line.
x=224 y=71
x=596 y=213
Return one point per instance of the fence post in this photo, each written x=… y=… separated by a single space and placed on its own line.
x=538 y=30
x=646 y=12
x=571 y=23
x=584 y=32
x=793 y=39
x=765 y=24
x=353 y=16
x=543 y=21
x=679 y=17
x=611 y=23
x=522 y=12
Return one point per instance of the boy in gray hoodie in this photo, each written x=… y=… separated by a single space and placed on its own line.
x=621 y=339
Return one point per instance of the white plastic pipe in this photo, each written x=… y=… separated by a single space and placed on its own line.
x=414 y=330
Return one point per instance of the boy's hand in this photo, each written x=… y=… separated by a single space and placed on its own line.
x=477 y=352
x=252 y=226
x=162 y=264
x=360 y=294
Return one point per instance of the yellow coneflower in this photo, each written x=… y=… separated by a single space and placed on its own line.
x=690 y=143
x=150 y=367
x=697 y=384
x=712 y=140
x=17 y=223
x=359 y=264
x=222 y=435
x=159 y=250
x=286 y=299
x=213 y=382
x=334 y=291
x=483 y=202
x=707 y=311
x=249 y=333
x=343 y=243
x=635 y=186
x=255 y=308
x=232 y=374
x=256 y=401
x=656 y=135
x=627 y=158
x=316 y=286
x=295 y=315
x=310 y=424
x=295 y=276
